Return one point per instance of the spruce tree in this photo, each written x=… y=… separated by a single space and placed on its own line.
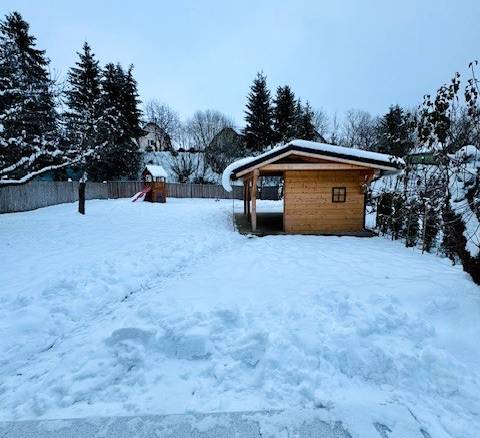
x=131 y=106
x=395 y=132
x=284 y=115
x=298 y=118
x=258 y=116
x=133 y=115
x=29 y=135
x=83 y=101
x=118 y=155
x=305 y=128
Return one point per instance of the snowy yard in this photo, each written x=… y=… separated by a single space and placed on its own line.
x=149 y=308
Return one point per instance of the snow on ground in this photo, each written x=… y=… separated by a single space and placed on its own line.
x=142 y=308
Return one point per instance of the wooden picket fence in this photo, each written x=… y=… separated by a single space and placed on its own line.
x=187 y=190
x=37 y=194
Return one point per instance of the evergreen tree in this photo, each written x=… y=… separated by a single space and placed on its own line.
x=28 y=119
x=131 y=106
x=258 y=130
x=298 y=117
x=395 y=132
x=412 y=223
x=118 y=154
x=432 y=225
x=305 y=127
x=284 y=115
x=82 y=99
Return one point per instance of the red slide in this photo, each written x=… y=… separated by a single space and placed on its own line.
x=141 y=194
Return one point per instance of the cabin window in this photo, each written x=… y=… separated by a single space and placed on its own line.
x=339 y=194
x=148 y=178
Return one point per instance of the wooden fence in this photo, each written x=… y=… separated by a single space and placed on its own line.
x=37 y=194
x=187 y=190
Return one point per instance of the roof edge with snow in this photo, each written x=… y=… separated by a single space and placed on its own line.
x=156 y=170
x=388 y=164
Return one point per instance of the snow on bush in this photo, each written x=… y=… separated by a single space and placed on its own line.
x=462 y=179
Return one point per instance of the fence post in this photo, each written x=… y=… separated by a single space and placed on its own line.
x=81 y=197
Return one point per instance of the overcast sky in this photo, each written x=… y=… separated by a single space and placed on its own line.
x=204 y=54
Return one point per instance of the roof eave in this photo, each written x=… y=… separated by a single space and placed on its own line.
x=382 y=165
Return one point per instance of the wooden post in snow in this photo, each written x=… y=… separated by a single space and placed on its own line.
x=254 y=200
x=244 y=196
x=248 y=199
x=81 y=193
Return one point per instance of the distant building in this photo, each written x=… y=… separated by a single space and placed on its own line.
x=319 y=138
x=229 y=135
x=426 y=157
x=155 y=139
x=235 y=135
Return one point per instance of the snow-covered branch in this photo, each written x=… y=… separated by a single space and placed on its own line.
x=30 y=175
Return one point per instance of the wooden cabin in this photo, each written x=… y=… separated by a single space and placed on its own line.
x=324 y=185
x=155 y=177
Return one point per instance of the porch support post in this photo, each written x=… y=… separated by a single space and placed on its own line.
x=244 y=196
x=249 y=191
x=254 y=199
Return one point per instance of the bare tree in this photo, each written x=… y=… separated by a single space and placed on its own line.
x=184 y=139
x=184 y=165
x=184 y=162
x=321 y=122
x=165 y=118
x=462 y=130
x=359 y=129
x=204 y=125
x=335 y=130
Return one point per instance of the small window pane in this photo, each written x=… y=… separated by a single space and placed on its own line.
x=339 y=194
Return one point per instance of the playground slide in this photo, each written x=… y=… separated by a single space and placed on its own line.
x=140 y=196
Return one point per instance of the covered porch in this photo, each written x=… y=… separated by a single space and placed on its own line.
x=255 y=219
x=268 y=223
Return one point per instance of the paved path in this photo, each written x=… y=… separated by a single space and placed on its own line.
x=263 y=424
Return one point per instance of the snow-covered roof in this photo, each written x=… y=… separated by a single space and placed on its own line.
x=388 y=163
x=156 y=170
x=237 y=130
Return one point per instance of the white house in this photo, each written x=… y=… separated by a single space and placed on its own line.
x=155 y=139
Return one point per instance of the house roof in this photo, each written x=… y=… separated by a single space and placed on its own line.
x=151 y=124
x=388 y=164
x=238 y=130
x=156 y=170
x=235 y=129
